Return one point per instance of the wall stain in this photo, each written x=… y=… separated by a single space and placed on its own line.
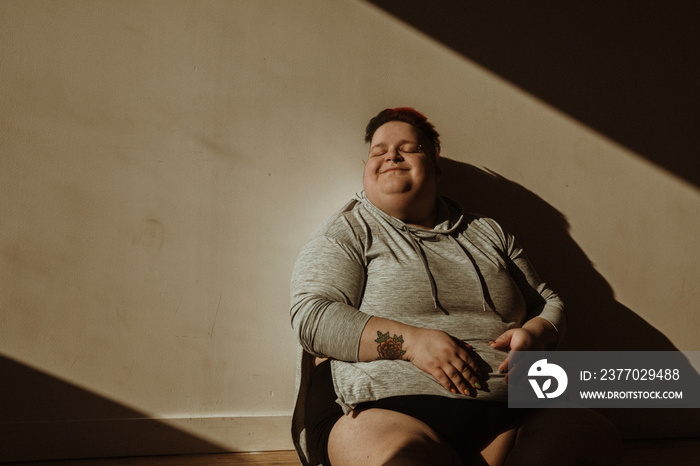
x=151 y=235
x=216 y=316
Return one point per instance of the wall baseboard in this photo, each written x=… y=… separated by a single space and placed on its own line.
x=106 y=438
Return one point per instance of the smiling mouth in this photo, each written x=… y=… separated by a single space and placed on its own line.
x=395 y=170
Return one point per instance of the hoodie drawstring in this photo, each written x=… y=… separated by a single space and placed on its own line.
x=433 y=286
x=451 y=229
x=476 y=270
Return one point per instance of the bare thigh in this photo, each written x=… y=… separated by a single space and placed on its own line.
x=382 y=437
x=497 y=451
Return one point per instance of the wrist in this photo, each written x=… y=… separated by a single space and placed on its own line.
x=385 y=339
x=411 y=334
x=543 y=331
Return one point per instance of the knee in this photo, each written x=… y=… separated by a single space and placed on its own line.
x=378 y=437
x=420 y=449
x=566 y=437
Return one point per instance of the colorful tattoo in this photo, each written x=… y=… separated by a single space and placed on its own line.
x=389 y=347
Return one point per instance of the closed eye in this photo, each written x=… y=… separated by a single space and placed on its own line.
x=411 y=148
x=407 y=148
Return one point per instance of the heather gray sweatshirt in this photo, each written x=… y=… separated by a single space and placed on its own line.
x=465 y=277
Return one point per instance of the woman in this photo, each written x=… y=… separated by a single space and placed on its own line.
x=410 y=306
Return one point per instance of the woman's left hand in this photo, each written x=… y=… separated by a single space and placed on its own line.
x=535 y=335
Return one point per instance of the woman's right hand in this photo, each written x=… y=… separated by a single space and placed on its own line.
x=435 y=352
x=446 y=358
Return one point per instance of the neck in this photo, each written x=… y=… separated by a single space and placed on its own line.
x=422 y=213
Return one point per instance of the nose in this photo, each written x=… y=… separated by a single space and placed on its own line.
x=393 y=155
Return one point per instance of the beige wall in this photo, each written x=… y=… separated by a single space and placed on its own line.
x=162 y=163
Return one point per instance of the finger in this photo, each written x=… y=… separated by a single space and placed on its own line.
x=450 y=378
x=464 y=380
x=512 y=372
x=474 y=378
x=503 y=367
x=503 y=340
x=497 y=344
x=463 y=344
x=444 y=380
x=466 y=359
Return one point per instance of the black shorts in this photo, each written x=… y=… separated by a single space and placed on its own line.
x=446 y=416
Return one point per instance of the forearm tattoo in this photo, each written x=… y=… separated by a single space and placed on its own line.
x=389 y=347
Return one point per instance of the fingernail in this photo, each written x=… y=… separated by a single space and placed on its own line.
x=476 y=385
x=453 y=391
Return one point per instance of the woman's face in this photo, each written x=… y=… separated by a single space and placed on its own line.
x=399 y=165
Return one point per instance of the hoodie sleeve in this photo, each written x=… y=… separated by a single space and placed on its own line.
x=539 y=299
x=326 y=291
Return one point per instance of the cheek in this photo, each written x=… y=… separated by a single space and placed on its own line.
x=420 y=169
x=370 y=170
x=367 y=177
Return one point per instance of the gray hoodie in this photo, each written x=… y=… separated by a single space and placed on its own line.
x=466 y=277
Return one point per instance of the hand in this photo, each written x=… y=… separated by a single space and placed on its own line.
x=445 y=358
x=536 y=334
x=516 y=339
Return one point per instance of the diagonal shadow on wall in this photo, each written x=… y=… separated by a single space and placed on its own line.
x=629 y=70
x=42 y=417
x=596 y=321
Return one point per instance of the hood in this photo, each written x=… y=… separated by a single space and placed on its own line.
x=449 y=219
